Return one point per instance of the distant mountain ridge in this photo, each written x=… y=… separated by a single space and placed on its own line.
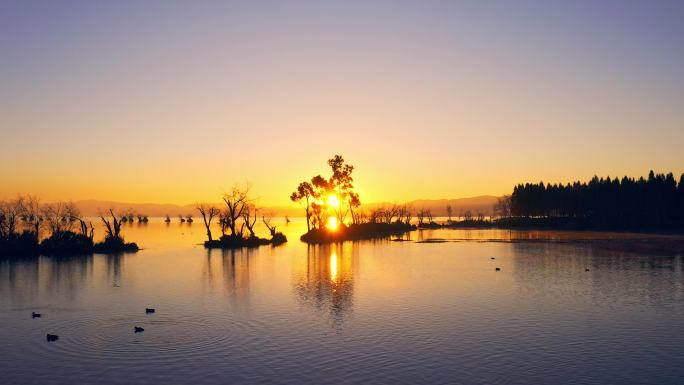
x=482 y=203
x=92 y=207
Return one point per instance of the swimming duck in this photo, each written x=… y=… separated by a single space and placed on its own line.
x=138 y=329
x=52 y=337
x=498 y=269
x=149 y=310
x=35 y=315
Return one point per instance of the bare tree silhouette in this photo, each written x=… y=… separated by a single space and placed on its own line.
x=236 y=201
x=305 y=192
x=208 y=213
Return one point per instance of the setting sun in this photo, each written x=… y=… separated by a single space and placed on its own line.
x=333 y=201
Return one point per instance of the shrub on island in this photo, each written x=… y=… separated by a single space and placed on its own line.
x=23 y=244
x=278 y=239
x=235 y=242
x=66 y=232
x=66 y=243
x=114 y=245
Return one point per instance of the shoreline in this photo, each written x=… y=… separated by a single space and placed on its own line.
x=546 y=226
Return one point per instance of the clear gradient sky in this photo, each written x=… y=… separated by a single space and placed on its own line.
x=174 y=101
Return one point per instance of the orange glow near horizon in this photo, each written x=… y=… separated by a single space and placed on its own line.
x=333 y=201
x=420 y=111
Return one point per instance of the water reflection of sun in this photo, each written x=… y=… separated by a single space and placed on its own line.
x=332 y=223
x=333 y=266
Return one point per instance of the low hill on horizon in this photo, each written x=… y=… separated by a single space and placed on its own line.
x=93 y=207
x=482 y=203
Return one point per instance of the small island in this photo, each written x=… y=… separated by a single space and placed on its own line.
x=23 y=220
x=239 y=214
x=356 y=231
x=329 y=202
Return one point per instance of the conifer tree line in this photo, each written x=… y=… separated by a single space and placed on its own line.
x=653 y=202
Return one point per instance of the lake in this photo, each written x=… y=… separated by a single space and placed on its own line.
x=353 y=313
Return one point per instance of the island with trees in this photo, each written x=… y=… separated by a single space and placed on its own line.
x=329 y=203
x=237 y=221
x=28 y=228
x=333 y=212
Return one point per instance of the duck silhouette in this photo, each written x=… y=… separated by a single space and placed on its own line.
x=52 y=337
x=35 y=315
x=149 y=310
x=138 y=329
x=498 y=269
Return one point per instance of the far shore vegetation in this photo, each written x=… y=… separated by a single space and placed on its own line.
x=28 y=228
x=333 y=212
x=651 y=204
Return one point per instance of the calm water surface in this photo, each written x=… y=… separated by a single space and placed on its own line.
x=364 y=312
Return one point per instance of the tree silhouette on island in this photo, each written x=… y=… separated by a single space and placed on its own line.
x=68 y=232
x=239 y=213
x=329 y=202
x=333 y=213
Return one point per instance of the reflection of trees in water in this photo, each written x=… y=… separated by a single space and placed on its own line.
x=601 y=254
x=19 y=279
x=235 y=270
x=68 y=275
x=327 y=281
x=25 y=279
x=614 y=275
x=113 y=268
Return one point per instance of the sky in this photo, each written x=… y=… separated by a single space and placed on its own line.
x=176 y=101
